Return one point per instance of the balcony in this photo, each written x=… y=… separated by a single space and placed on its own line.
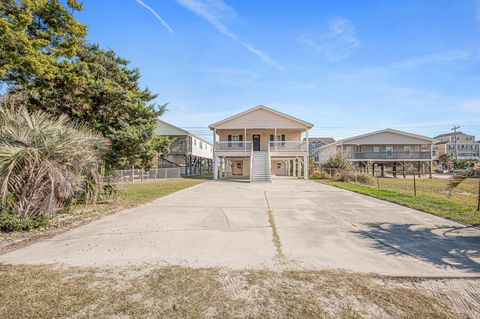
x=233 y=147
x=390 y=156
x=278 y=148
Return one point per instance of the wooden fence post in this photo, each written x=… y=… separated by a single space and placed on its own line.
x=133 y=173
x=414 y=185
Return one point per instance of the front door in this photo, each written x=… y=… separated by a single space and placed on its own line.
x=256 y=143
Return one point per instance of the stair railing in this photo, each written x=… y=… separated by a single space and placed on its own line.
x=251 y=162
x=269 y=161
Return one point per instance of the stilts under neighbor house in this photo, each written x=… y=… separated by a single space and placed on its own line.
x=385 y=148
x=191 y=153
x=258 y=143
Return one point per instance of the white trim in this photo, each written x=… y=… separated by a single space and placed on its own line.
x=182 y=130
x=260 y=107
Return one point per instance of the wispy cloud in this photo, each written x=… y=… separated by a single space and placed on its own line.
x=215 y=12
x=337 y=43
x=445 y=57
x=159 y=18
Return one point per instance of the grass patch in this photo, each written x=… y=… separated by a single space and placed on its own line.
x=140 y=193
x=180 y=292
x=130 y=195
x=445 y=208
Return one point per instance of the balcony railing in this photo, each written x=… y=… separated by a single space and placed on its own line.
x=287 y=146
x=390 y=155
x=233 y=146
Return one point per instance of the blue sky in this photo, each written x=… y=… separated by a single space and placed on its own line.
x=349 y=67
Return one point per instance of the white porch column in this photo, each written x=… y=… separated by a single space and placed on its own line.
x=294 y=167
x=306 y=158
x=215 y=167
x=220 y=167
x=215 y=157
x=245 y=139
x=305 y=167
x=299 y=167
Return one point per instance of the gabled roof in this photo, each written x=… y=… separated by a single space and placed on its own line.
x=324 y=140
x=176 y=131
x=451 y=134
x=261 y=107
x=389 y=130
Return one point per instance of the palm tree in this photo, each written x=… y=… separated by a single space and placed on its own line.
x=44 y=160
x=444 y=159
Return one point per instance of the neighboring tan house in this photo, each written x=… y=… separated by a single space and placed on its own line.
x=316 y=142
x=259 y=143
x=193 y=154
x=467 y=147
x=387 y=147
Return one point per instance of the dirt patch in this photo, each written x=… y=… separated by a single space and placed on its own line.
x=152 y=292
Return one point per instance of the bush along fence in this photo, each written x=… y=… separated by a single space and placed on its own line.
x=464 y=191
x=137 y=175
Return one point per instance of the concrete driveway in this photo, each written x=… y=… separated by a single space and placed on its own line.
x=289 y=224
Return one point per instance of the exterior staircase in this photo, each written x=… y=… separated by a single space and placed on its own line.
x=260 y=167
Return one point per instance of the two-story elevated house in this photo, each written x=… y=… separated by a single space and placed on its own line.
x=190 y=152
x=259 y=143
x=387 y=147
x=459 y=145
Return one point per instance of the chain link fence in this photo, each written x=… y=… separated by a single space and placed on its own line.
x=467 y=193
x=135 y=175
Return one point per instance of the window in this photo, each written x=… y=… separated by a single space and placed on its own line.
x=389 y=150
x=376 y=149
x=348 y=150
x=195 y=141
x=278 y=138
x=201 y=145
x=407 y=149
x=236 y=138
x=279 y=165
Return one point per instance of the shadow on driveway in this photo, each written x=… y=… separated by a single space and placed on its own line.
x=445 y=247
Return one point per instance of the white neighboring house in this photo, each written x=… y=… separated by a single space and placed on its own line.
x=387 y=147
x=188 y=150
x=258 y=143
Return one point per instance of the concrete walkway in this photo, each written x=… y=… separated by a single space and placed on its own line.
x=287 y=224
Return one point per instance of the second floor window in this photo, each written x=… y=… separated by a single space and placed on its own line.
x=234 y=139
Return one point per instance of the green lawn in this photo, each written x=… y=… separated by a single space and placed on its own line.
x=139 y=193
x=434 y=204
x=129 y=195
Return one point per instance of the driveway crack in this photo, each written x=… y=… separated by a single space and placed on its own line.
x=226 y=217
x=275 y=236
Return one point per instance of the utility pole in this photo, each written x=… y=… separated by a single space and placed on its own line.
x=454 y=129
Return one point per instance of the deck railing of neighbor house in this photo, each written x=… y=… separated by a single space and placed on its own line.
x=390 y=155
x=287 y=146
x=233 y=146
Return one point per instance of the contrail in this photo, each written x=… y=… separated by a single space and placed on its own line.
x=159 y=18
x=205 y=10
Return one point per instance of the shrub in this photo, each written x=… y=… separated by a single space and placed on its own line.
x=338 y=162
x=365 y=179
x=13 y=222
x=42 y=161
